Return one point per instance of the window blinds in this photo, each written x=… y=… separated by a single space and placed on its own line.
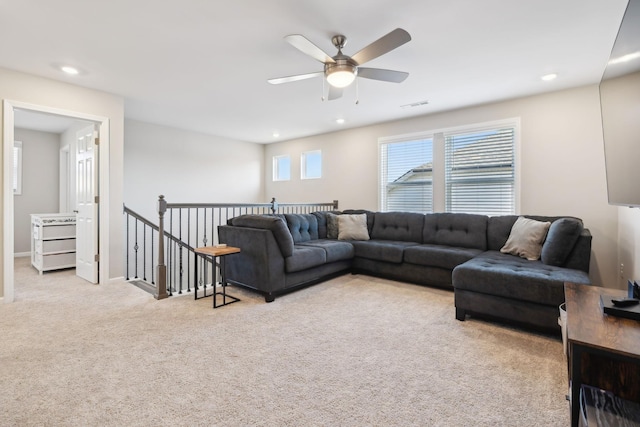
x=406 y=179
x=479 y=172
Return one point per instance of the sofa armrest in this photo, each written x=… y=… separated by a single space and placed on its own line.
x=259 y=264
x=580 y=256
x=276 y=224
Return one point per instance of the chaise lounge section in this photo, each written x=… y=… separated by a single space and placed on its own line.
x=282 y=253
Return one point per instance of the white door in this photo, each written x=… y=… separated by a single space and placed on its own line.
x=87 y=204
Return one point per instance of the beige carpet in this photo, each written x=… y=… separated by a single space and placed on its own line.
x=354 y=351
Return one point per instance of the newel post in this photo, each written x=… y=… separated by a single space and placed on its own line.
x=161 y=269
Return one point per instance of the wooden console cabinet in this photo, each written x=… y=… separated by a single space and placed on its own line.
x=604 y=351
x=53 y=241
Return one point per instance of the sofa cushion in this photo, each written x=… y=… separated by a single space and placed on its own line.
x=303 y=227
x=454 y=229
x=381 y=250
x=398 y=226
x=562 y=237
x=335 y=250
x=495 y=273
x=276 y=224
x=439 y=256
x=526 y=238
x=353 y=227
x=304 y=257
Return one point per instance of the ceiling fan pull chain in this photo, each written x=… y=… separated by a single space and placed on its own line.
x=357 y=92
x=323 y=90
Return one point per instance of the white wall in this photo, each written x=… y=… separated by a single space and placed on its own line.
x=562 y=163
x=188 y=167
x=25 y=88
x=39 y=183
x=629 y=245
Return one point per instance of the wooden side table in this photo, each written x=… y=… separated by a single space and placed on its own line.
x=214 y=252
x=604 y=351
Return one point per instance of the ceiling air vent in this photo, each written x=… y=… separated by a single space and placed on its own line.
x=415 y=104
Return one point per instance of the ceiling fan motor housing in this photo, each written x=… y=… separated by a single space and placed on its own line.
x=342 y=72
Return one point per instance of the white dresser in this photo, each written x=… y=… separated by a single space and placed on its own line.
x=53 y=241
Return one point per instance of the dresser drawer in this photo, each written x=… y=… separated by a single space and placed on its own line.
x=55 y=231
x=56 y=261
x=62 y=245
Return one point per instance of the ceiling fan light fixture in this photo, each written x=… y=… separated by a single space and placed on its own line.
x=341 y=75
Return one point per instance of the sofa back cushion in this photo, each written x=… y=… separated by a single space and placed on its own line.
x=276 y=224
x=456 y=229
x=561 y=238
x=303 y=227
x=398 y=226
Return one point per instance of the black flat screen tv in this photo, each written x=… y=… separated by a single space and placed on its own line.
x=620 y=107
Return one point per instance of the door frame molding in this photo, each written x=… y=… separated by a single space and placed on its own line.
x=7 y=203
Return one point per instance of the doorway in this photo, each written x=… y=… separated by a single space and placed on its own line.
x=102 y=232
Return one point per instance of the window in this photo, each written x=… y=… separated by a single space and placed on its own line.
x=407 y=175
x=467 y=170
x=480 y=173
x=311 y=165
x=17 y=168
x=282 y=168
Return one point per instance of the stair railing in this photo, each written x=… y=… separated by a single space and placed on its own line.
x=186 y=226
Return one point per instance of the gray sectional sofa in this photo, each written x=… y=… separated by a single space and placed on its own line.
x=281 y=253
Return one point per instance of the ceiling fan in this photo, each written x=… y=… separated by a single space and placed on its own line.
x=341 y=70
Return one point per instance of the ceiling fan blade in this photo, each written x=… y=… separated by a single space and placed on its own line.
x=384 y=75
x=384 y=44
x=334 y=93
x=295 y=78
x=305 y=46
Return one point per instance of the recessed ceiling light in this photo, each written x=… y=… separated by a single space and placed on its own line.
x=549 y=77
x=339 y=121
x=276 y=134
x=70 y=70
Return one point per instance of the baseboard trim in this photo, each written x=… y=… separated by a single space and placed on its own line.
x=116 y=279
x=21 y=254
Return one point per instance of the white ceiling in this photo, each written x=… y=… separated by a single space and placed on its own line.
x=28 y=119
x=203 y=65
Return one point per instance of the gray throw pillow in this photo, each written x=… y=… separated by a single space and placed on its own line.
x=332 y=226
x=526 y=238
x=562 y=237
x=353 y=227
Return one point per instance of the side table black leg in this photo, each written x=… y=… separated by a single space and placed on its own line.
x=215 y=285
x=223 y=283
x=195 y=276
x=576 y=383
